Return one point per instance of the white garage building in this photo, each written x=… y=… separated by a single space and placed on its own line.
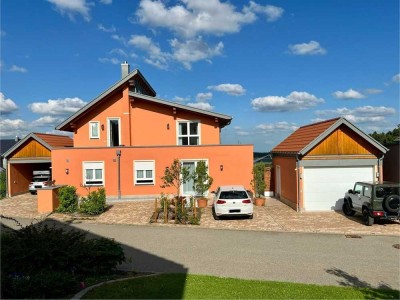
x=318 y=163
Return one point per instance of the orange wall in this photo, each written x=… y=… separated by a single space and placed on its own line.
x=288 y=178
x=142 y=123
x=237 y=162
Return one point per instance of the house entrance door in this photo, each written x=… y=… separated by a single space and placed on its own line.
x=188 y=189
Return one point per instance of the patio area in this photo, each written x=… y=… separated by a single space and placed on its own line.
x=274 y=216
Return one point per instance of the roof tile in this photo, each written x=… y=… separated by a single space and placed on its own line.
x=55 y=140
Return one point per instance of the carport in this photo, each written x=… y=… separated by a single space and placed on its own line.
x=32 y=153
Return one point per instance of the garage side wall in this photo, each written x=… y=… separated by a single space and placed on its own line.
x=288 y=179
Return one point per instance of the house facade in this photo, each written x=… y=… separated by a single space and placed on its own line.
x=318 y=163
x=126 y=137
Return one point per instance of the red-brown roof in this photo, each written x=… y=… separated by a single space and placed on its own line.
x=54 y=140
x=303 y=136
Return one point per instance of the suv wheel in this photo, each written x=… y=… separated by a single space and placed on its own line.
x=347 y=209
x=368 y=220
x=391 y=203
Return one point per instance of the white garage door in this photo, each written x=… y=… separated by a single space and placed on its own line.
x=324 y=187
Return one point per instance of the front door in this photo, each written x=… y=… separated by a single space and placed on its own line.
x=278 y=181
x=188 y=187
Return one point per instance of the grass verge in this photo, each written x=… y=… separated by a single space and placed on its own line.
x=184 y=286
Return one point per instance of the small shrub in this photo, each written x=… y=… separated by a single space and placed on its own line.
x=3 y=185
x=94 y=203
x=48 y=262
x=68 y=199
x=258 y=182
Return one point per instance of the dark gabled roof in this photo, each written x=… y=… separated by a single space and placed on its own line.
x=50 y=141
x=222 y=119
x=5 y=145
x=307 y=137
x=65 y=125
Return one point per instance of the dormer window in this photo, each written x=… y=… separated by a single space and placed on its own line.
x=188 y=133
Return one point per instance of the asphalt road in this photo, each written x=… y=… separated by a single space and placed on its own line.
x=325 y=259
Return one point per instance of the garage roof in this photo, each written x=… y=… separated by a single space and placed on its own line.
x=50 y=141
x=306 y=137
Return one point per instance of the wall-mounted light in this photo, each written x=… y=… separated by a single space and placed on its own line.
x=377 y=174
x=168 y=126
x=67 y=171
x=221 y=167
x=102 y=127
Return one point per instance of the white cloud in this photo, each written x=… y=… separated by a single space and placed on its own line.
x=155 y=57
x=105 y=29
x=396 y=78
x=57 y=107
x=119 y=38
x=311 y=48
x=72 y=7
x=272 y=127
x=349 y=94
x=181 y=99
x=112 y=60
x=192 y=51
x=294 y=101
x=106 y=1
x=229 y=88
x=47 y=121
x=119 y=52
x=272 y=13
x=7 y=106
x=362 y=114
x=373 y=91
x=203 y=97
x=15 y=68
x=201 y=105
x=242 y=133
x=11 y=128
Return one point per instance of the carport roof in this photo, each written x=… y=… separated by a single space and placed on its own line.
x=306 y=137
x=50 y=141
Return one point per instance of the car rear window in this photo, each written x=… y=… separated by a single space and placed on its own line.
x=40 y=179
x=382 y=191
x=233 y=195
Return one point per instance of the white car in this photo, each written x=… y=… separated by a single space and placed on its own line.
x=232 y=200
x=38 y=182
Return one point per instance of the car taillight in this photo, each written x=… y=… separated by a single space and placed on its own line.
x=246 y=201
x=378 y=213
x=46 y=183
x=221 y=201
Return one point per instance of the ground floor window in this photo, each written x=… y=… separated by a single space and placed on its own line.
x=144 y=172
x=93 y=173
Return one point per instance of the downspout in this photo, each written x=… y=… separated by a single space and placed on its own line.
x=298 y=181
x=379 y=167
x=5 y=164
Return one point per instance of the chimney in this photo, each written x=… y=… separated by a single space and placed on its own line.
x=124 y=69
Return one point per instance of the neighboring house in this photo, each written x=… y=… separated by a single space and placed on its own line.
x=126 y=137
x=318 y=163
x=391 y=162
x=32 y=153
x=4 y=146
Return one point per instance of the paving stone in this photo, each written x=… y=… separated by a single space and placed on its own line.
x=274 y=216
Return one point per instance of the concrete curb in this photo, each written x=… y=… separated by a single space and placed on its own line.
x=79 y=295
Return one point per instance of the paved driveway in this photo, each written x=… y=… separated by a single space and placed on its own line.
x=275 y=216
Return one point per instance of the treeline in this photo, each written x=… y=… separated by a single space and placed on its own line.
x=387 y=138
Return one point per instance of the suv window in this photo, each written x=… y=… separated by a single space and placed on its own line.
x=382 y=191
x=367 y=191
x=233 y=195
x=358 y=189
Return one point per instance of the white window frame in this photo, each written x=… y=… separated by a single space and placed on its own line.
x=109 y=128
x=91 y=136
x=178 y=122
x=94 y=165
x=137 y=167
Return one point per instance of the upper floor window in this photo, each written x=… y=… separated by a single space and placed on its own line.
x=93 y=173
x=94 y=130
x=188 y=133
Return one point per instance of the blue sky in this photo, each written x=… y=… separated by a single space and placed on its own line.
x=272 y=65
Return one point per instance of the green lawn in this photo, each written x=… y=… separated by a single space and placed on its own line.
x=183 y=286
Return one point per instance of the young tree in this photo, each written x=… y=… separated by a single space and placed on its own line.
x=202 y=181
x=258 y=182
x=175 y=175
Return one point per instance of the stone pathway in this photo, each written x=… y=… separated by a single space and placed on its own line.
x=274 y=216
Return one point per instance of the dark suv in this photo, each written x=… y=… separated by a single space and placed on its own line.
x=374 y=201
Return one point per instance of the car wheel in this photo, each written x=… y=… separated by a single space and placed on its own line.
x=215 y=215
x=391 y=203
x=368 y=220
x=347 y=209
x=251 y=216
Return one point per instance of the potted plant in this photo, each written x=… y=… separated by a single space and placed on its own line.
x=258 y=184
x=202 y=182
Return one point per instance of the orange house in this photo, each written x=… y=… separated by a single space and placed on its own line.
x=126 y=137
